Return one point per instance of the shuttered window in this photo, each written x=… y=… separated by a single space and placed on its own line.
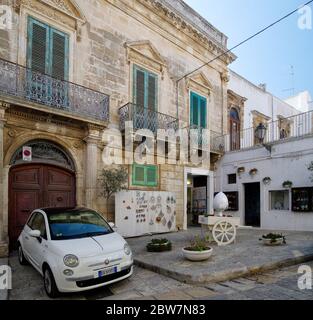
x=145 y=88
x=198 y=110
x=47 y=50
x=145 y=175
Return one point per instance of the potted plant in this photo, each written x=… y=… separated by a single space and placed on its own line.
x=273 y=239
x=159 y=245
x=241 y=170
x=198 y=250
x=267 y=180
x=287 y=184
x=253 y=172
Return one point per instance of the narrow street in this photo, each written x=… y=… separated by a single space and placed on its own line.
x=147 y=285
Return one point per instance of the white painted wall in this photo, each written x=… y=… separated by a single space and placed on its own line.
x=259 y=100
x=302 y=101
x=288 y=161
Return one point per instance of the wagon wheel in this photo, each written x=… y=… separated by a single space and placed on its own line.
x=224 y=233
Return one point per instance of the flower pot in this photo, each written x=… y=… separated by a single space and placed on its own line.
x=159 y=247
x=270 y=242
x=197 y=255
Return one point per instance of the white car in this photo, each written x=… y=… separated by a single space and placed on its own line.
x=74 y=250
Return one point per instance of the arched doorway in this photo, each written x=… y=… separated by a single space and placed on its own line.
x=234 y=123
x=48 y=181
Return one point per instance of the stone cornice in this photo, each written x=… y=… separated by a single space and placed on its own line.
x=182 y=25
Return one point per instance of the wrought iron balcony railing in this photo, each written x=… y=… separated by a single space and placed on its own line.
x=144 y=118
x=297 y=126
x=21 y=82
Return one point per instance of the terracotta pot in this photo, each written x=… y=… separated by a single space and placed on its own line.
x=268 y=242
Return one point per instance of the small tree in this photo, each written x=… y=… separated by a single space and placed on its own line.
x=310 y=167
x=112 y=181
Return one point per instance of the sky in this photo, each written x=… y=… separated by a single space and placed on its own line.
x=269 y=57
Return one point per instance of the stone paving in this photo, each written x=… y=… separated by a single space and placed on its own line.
x=246 y=256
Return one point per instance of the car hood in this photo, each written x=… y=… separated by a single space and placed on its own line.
x=88 y=247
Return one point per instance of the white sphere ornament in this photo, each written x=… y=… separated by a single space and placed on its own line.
x=220 y=202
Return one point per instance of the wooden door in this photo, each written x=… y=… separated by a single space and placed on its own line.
x=234 y=124
x=37 y=186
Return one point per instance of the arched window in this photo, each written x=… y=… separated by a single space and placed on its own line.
x=234 y=121
x=44 y=151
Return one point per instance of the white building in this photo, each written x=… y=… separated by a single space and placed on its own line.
x=254 y=172
x=302 y=101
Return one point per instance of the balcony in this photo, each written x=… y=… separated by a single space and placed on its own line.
x=42 y=92
x=143 y=118
x=284 y=129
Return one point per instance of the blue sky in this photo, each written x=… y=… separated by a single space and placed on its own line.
x=269 y=57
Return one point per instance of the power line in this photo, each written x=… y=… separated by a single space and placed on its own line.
x=246 y=40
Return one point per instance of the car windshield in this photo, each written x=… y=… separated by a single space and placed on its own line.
x=77 y=224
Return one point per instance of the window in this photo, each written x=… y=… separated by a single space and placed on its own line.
x=232 y=178
x=145 y=175
x=302 y=199
x=145 y=88
x=47 y=50
x=279 y=200
x=198 y=111
x=234 y=124
x=37 y=222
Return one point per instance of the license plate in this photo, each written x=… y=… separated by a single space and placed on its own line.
x=106 y=272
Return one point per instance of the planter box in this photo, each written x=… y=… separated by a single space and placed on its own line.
x=268 y=242
x=203 y=220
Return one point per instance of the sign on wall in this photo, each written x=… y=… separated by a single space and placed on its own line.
x=27 y=153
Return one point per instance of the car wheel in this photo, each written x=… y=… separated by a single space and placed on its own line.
x=49 y=283
x=21 y=257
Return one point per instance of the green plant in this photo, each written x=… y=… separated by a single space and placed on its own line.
x=159 y=245
x=112 y=181
x=274 y=237
x=198 y=244
x=287 y=184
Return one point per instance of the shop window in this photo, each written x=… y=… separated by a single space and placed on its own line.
x=279 y=200
x=145 y=175
x=302 y=199
x=232 y=178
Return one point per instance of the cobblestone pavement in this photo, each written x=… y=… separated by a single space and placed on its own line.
x=144 y=284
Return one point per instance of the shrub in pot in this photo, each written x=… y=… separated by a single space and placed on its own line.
x=198 y=250
x=273 y=239
x=159 y=245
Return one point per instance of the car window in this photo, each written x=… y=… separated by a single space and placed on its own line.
x=37 y=222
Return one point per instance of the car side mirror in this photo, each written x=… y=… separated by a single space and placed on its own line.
x=35 y=233
x=112 y=225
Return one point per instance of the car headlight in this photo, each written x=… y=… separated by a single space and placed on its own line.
x=127 y=249
x=71 y=261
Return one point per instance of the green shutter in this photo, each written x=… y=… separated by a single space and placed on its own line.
x=198 y=110
x=145 y=175
x=151 y=176
x=47 y=50
x=59 y=44
x=38 y=46
x=152 y=91
x=203 y=113
x=139 y=87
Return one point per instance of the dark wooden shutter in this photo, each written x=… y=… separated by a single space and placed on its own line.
x=38 y=43
x=139 y=88
x=59 y=55
x=152 y=91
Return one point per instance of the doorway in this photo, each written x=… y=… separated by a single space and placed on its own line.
x=252 y=205
x=33 y=186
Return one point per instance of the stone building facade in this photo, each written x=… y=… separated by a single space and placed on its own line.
x=62 y=111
